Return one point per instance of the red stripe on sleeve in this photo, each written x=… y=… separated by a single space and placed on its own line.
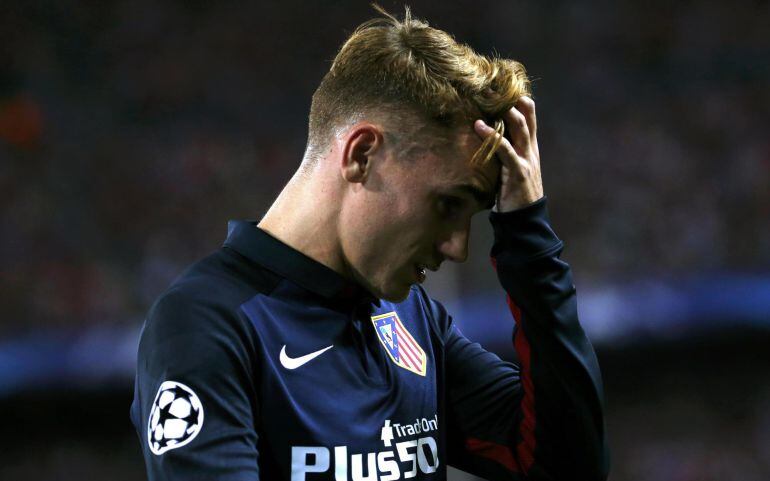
x=493 y=451
x=525 y=450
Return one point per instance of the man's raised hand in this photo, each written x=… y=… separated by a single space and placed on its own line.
x=520 y=179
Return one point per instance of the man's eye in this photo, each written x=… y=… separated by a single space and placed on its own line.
x=450 y=207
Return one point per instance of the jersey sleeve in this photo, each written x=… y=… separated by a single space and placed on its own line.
x=542 y=418
x=194 y=403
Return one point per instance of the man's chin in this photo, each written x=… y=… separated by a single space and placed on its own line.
x=396 y=294
x=392 y=290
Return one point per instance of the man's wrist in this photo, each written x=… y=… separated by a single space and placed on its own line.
x=504 y=207
x=523 y=233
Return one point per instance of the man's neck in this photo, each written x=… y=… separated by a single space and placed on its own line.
x=304 y=217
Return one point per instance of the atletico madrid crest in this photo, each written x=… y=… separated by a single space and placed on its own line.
x=399 y=344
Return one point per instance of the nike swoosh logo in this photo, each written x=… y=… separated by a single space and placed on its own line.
x=295 y=362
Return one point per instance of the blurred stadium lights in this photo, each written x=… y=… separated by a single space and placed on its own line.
x=618 y=315
x=638 y=311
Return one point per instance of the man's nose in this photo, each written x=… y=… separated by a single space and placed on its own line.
x=455 y=247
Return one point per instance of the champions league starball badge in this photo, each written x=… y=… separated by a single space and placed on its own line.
x=175 y=419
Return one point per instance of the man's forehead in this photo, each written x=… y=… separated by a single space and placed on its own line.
x=449 y=167
x=461 y=170
x=479 y=181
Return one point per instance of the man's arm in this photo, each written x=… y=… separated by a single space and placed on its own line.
x=200 y=347
x=542 y=419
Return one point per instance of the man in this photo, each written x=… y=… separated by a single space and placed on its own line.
x=306 y=348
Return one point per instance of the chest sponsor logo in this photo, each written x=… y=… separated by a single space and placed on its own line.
x=402 y=348
x=408 y=449
x=295 y=362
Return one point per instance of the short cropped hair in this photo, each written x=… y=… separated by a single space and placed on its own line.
x=407 y=68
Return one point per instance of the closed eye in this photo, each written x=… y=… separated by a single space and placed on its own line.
x=485 y=199
x=450 y=207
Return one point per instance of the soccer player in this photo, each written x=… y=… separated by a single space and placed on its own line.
x=306 y=348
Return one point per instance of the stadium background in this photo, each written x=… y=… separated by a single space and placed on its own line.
x=130 y=131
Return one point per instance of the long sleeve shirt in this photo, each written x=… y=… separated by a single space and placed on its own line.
x=262 y=363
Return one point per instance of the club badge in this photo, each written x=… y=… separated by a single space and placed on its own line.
x=402 y=348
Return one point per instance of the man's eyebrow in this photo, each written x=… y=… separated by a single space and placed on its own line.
x=483 y=197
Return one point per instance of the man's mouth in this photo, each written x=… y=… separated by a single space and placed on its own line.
x=420 y=272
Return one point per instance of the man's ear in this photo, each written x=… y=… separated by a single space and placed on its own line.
x=361 y=143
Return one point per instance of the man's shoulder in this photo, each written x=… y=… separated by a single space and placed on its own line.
x=208 y=294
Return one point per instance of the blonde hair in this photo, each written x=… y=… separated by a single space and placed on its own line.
x=403 y=68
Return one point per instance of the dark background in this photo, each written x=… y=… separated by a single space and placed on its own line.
x=131 y=131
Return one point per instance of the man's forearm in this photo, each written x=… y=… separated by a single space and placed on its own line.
x=562 y=426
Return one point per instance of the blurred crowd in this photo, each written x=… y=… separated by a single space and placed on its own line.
x=130 y=131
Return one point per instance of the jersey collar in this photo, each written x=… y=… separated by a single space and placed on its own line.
x=258 y=246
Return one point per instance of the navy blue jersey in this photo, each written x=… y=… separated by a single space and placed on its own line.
x=261 y=363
